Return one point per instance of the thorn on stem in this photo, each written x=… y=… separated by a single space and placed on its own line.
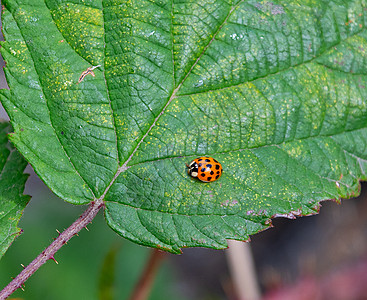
x=53 y=258
x=86 y=228
x=22 y=266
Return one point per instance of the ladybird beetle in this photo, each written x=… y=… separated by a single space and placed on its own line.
x=206 y=169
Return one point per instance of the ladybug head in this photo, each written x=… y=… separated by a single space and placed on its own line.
x=193 y=169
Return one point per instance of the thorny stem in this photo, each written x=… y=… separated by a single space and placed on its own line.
x=50 y=251
x=142 y=289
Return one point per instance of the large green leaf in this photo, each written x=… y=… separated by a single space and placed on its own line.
x=276 y=91
x=12 y=182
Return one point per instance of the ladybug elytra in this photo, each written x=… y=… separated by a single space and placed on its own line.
x=206 y=169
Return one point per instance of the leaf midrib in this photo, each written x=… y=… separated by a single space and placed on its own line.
x=173 y=95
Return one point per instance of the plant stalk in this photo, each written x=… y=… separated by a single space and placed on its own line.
x=242 y=269
x=144 y=286
x=51 y=250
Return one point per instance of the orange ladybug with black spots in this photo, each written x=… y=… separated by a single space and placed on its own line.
x=206 y=169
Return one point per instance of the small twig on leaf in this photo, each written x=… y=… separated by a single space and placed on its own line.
x=50 y=251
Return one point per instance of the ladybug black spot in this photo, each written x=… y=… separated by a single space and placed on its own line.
x=211 y=173
x=202 y=169
x=200 y=164
x=202 y=174
x=216 y=177
x=209 y=165
x=218 y=172
x=215 y=160
x=200 y=159
x=209 y=178
x=217 y=167
x=207 y=160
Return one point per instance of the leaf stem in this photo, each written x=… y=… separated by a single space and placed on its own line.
x=143 y=287
x=50 y=251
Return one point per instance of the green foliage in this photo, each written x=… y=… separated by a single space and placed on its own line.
x=12 y=182
x=273 y=90
x=106 y=284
